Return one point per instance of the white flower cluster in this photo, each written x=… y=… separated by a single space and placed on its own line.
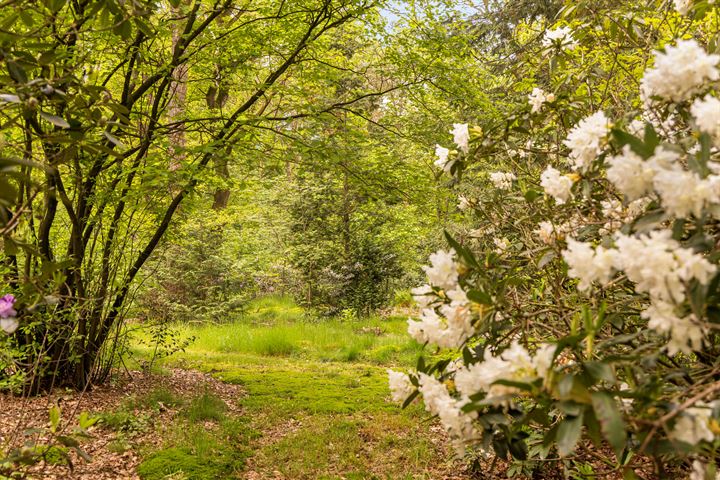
x=538 y=98
x=681 y=192
x=683 y=6
x=587 y=140
x=693 y=425
x=443 y=161
x=699 y=471
x=438 y=401
x=502 y=180
x=706 y=112
x=461 y=136
x=679 y=72
x=400 y=386
x=561 y=37
x=556 y=185
x=452 y=326
x=658 y=266
x=514 y=364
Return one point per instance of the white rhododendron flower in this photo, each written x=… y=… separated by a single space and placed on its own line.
x=428 y=327
x=706 y=112
x=556 y=185
x=657 y=264
x=461 y=136
x=452 y=326
x=679 y=72
x=693 y=425
x=685 y=333
x=561 y=36
x=684 y=193
x=9 y=324
x=458 y=297
x=400 y=386
x=587 y=140
x=538 y=98
x=443 y=162
x=636 y=127
x=423 y=295
x=587 y=264
x=514 y=364
x=502 y=180
x=683 y=6
x=699 y=471
x=438 y=401
x=443 y=270
x=630 y=174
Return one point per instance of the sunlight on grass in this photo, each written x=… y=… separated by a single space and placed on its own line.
x=316 y=388
x=275 y=326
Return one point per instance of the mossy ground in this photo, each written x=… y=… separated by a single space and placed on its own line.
x=311 y=412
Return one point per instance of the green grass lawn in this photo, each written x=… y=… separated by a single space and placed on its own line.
x=317 y=396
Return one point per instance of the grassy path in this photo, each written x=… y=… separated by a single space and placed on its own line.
x=316 y=398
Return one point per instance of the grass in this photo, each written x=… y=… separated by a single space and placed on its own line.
x=316 y=391
x=275 y=327
x=206 y=407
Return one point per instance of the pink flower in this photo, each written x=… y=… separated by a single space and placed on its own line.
x=6 y=306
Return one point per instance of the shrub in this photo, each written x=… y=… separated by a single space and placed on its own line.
x=589 y=315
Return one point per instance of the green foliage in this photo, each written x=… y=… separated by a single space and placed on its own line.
x=124 y=420
x=625 y=381
x=338 y=249
x=204 y=273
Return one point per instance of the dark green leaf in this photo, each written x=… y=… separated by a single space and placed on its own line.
x=568 y=435
x=611 y=422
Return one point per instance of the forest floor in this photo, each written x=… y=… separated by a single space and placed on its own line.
x=274 y=396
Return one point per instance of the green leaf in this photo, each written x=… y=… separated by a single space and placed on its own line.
x=611 y=423
x=68 y=441
x=636 y=145
x=549 y=256
x=531 y=195
x=17 y=73
x=54 y=418
x=462 y=252
x=518 y=449
x=86 y=421
x=409 y=399
x=629 y=474
x=479 y=297
x=55 y=120
x=54 y=5
x=123 y=29
x=568 y=435
x=600 y=371
x=114 y=140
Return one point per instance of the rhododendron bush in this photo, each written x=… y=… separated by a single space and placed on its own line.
x=576 y=314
